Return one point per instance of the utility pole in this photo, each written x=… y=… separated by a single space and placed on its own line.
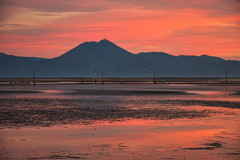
x=34 y=80
x=102 y=75
x=34 y=73
x=95 y=76
x=154 y=77
x=226 y=75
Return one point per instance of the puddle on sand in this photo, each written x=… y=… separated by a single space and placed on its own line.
x=207 y=92
x=52 y=91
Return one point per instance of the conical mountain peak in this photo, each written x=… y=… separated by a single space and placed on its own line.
x=104 y=41
x=103 y=53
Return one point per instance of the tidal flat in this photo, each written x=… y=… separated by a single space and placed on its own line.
x=120 y=121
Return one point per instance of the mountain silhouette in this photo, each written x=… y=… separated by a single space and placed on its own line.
x=84 y=59
x=103 y=54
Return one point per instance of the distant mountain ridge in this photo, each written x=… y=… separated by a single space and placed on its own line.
x=2 y=54
x=84 y=59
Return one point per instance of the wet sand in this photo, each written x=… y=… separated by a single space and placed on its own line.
x=119 y=122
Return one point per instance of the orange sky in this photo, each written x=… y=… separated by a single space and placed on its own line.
x=49 y=28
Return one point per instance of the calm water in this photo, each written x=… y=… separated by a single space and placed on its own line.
x=119 y=121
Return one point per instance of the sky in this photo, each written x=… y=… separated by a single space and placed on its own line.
x=49 y=28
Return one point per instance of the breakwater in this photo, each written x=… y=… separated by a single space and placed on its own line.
x=156 y=80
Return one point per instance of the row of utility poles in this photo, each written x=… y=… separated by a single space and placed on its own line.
x=154 y=80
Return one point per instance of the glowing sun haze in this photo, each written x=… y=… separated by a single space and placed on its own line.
x=49 y=28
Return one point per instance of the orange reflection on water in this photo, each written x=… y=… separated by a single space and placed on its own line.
x=205 y=92
x=210 y=138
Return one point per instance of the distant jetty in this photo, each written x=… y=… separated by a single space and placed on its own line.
x=122 y=80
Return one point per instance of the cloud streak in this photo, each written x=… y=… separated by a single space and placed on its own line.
x=100 y=5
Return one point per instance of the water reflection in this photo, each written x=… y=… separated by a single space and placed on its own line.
x=52 y=91
x=210 y=138
x=206 y=92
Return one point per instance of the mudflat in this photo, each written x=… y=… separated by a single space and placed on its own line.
x=119 y=121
